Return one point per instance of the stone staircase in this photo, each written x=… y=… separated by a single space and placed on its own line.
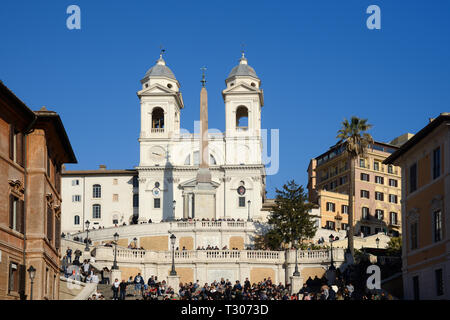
x=105 y=290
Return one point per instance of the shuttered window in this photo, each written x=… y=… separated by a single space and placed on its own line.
x=16 y=214
x=49 y=224
x=57 y=233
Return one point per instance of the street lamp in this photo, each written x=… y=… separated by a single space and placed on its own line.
x=296 y=273
x=116 y=238
x=174 y=203
x=378 y=242
x=172 y=241
x=32 y=273
x=249 y=202
x=331 y=243
x=87 y=235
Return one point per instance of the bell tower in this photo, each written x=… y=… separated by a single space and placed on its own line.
x=243 y=99
x=161 y=104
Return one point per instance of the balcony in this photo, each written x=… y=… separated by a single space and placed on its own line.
x=157 y=130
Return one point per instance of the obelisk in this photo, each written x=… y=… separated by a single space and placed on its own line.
x=203 y=174
x=205 y=191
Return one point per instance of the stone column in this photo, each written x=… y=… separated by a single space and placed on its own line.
x=185 y=205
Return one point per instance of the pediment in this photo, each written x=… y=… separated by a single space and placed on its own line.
x=191 y=183
x=155 y=90
x=241 y=88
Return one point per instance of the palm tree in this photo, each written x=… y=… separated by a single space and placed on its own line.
x=354 y=138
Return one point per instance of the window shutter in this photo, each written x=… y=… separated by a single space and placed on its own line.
x=19 y=143
x=57 y=233
x=11 y=279
x=11 y=210
x=20 y=216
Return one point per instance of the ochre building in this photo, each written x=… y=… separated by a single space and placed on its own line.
x=33 y=146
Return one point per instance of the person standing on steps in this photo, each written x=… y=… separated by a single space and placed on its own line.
x=115 y=289
x=123 y=289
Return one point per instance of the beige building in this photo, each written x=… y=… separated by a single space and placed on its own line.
x=425 y=165
x=33 y=146
x=377 y=189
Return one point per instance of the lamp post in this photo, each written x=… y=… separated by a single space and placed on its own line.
x=331 y=243
x=87 y=235
x=174 y=203
x=296 y=273
x=116 y=238
x=32 y=273
x=249 y=202
x=377 y=240
x=172 y=241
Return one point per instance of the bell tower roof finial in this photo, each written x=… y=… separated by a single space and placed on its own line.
x=243 y=59
x=203 y=81
x=243 y=50
x=161 y=61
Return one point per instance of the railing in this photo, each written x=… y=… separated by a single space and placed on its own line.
x=264 y=255
x=211 y=224
x=316 y=254
x=191 y=256
x=130 y=254
x=157 y=130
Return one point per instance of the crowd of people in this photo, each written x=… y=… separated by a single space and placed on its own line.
x=313 y=289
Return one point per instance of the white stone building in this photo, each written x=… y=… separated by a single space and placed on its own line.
x=169 y=159
x=103 y=197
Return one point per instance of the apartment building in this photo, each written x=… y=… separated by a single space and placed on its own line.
x=377 y=190
x=33 y=146
x=425 y=166
x=103 y=197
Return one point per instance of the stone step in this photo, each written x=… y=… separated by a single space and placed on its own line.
x=107 y=292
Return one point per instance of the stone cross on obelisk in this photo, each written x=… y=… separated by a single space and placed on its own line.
x=204 y=191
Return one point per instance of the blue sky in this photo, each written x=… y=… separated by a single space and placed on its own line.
x=317 y=60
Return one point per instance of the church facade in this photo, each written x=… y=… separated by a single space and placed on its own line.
x=162 y=187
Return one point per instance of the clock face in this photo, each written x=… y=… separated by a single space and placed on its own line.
x=157 y=153
x=241 y=190
x=156 y=192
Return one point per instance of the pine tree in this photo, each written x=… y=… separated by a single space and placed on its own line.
x=290 y=218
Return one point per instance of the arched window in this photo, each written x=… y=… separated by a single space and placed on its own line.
x=157 y=118
x=212 y=160
x=96 y=191
x=242 y=118
x=76 y=220
x=96 y=211
x=135 y=200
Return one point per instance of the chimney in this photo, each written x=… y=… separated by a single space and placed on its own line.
x=102 y=167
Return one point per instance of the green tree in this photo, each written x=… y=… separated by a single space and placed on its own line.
x=290 y=220
x=354 y=138
x=394 y=247
x=270 y=240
